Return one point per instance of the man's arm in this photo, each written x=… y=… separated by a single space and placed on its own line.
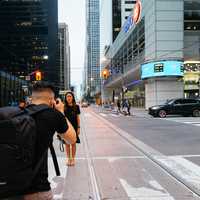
x=70 y=135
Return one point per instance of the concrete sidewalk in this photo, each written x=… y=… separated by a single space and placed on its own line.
x=110 y=167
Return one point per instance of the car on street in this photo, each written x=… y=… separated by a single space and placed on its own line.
x=184 y=107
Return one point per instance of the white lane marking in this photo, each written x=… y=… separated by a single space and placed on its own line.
x=186 y=156
x=144 y=192
x=114 y=115
x=87 y=115
x=57 y=183
x=93 y=179
x=183 y=168
x=102 y=114
x=131 y=157
x=191 y=121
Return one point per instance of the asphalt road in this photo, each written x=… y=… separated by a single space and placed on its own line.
x=170 y=136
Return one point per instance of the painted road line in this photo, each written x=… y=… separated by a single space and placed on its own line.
x=185 y=121
x=57 y=182
x=187 y=156
x=114 y=115
x=103 y=115
x=154 y=191
x=95 y=189
x=184 y=168
x=111 y=157
x=191 y=122
x=133 y=157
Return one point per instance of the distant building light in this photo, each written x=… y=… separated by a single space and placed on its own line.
x=46 y=57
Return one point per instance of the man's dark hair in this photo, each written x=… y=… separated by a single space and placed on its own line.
x=42 y=86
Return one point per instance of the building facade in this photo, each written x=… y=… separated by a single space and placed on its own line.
x=28 y=38
x=63 y=57
x=126 y=8
x=147 y=58
x=92 y=61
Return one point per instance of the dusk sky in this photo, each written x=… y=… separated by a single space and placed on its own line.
x=72 y=12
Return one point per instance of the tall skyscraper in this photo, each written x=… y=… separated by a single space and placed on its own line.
x=28 y=42
x=92 y=63
x=28 y=37
x=63 y=60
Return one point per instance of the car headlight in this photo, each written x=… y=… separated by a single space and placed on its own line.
x=155 y=108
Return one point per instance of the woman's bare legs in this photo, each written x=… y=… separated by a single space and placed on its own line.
x=68 y=152
x=73 y=154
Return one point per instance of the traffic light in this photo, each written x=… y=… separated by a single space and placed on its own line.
x=105 y=73
x=38 y=76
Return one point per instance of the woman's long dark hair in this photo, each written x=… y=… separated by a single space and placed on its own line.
x=73 y=101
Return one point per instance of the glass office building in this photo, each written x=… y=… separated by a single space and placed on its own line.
x=166 y=33
x=63 y=57
x=28 y=38
x=92 y=65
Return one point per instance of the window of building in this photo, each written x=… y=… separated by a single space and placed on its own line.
x=192 y=5
x=159 y=67
x=128 y=9
x=130 y=2
x=192 y=15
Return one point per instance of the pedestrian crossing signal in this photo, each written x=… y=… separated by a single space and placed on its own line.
x=38 y=76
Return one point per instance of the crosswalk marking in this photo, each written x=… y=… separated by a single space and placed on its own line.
x=190 y=121
x=187 y=170
x=151 y=191
x=113 y=115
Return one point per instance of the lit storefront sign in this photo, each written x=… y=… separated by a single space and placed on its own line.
x=135 y=18
x=162 y=68
x=137 y=12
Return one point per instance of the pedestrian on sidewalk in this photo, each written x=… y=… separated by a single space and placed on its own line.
x=118 y=106
x=72 y=112
x=128 y=106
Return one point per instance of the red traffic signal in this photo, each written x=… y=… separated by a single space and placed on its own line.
x=38 y=76
x=105 y=73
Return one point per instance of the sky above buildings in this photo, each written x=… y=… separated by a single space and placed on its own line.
x=72 y=12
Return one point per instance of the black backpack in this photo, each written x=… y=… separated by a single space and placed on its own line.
x=17 y=147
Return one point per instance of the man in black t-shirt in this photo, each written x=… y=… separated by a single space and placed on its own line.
x=48 y=122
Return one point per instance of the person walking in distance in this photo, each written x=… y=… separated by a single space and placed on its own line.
x=118 y=106
x=72 y=112
x=128 y=107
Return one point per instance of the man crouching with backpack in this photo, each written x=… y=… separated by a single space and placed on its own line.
x=48 y=121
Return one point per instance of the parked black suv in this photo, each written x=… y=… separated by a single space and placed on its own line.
x=185 y=107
